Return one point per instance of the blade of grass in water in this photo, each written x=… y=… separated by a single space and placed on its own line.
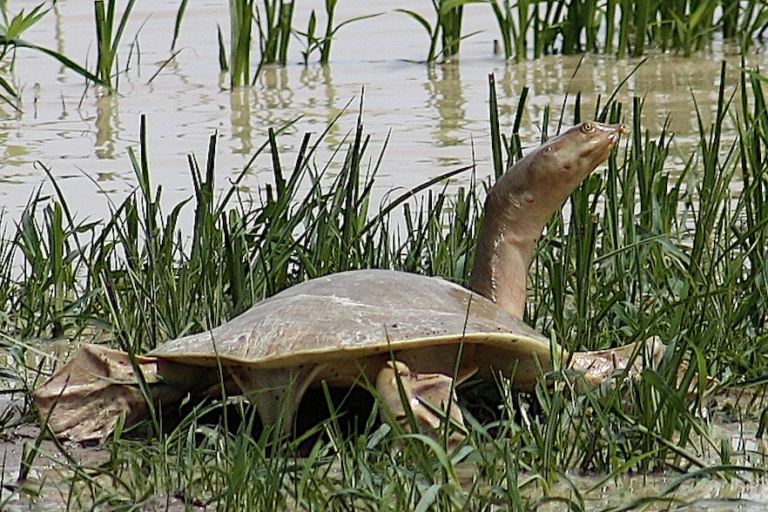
x=108 y=37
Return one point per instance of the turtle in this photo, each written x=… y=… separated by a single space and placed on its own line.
x=408 y=337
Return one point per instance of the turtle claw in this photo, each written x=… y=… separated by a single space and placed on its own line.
x=599 y=366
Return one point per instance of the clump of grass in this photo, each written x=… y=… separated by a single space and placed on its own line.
x=108 y=38
x=515 y=23
x=628 y=27
x=273 y=23
x=138 y=280
x=446 y=30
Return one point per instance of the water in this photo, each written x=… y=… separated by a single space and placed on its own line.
x=435 y=119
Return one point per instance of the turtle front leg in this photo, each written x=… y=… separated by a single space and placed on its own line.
x=276 y=393
x=429 y=396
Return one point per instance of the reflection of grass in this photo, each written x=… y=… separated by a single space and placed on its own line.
x=643 y=253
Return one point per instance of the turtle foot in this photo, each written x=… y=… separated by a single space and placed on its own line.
x=84 y=399
x=600 y=365
x=430 y=397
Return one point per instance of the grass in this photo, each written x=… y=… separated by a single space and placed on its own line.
x=322 y=44
x=241 y=26
x=446 y=29
x=624 y=28
x=275 y=25
x=644 y=252
x=12 y=28
x=108 y=38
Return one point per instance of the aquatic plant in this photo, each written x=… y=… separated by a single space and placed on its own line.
x=322 y=44
x=11 y=31
x=241 y=26
x=447 y=27
x=515 y=23
x=573 y=26
x=108 y=38
x=275 y=25
x=177 y=24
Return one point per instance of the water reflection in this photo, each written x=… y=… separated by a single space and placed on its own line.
x=240 y=119
x=447 y=98
x=107 y=124
x=323 y=101
x=274 y=95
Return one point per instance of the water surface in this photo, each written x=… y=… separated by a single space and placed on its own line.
x=434 y=118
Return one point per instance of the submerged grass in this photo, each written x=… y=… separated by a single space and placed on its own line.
x=644 y=252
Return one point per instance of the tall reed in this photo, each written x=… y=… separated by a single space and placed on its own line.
x=108 y=38
x=446 y=30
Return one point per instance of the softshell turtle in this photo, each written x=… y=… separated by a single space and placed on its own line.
x=375 y=328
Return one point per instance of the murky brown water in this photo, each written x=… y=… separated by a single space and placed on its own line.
x=437 y=118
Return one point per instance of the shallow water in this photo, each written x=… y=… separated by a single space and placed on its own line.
x=435 y=119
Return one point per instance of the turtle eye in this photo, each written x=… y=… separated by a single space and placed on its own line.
x=587 y=127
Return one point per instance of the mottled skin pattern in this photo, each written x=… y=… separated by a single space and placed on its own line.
x=398 y=334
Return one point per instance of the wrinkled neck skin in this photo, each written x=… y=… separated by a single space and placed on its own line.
x=522 y=201
x=502 y=261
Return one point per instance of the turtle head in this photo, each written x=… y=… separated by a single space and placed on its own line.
x=532 y=190
x=522 y=201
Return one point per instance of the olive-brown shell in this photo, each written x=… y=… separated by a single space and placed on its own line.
x=354 y=314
